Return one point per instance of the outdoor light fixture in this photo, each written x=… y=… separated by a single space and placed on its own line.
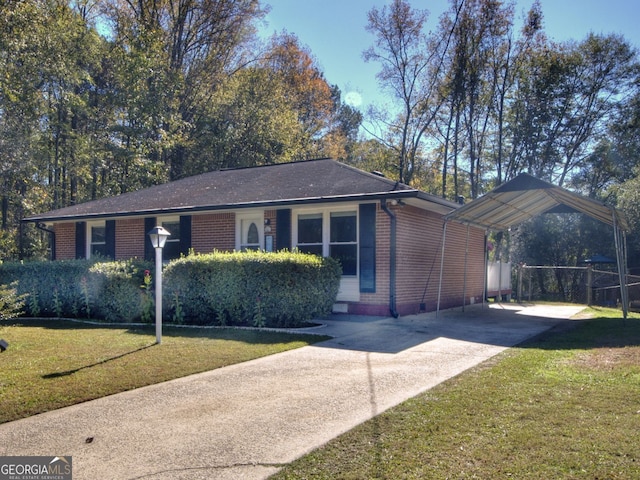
x=158 y=236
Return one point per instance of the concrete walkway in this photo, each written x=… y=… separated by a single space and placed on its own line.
x=246 y=421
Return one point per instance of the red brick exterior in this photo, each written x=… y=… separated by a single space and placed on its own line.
x=270 y=216
x=215 y=231
x=65 y=240
x=418 y=253
x=418 y=242
x=130 y=237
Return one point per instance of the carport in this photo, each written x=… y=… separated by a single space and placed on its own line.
x=525 y=197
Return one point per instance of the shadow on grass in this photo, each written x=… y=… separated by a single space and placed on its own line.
x=248 y=335
x=101 y=362
x=601 y=332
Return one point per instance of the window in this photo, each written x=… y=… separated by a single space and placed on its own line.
x=333 y=234
x=343 y=243
x=171 y=249
x=310 y=233
x=98 y=241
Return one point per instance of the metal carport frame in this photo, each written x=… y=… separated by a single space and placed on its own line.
x=525 y=197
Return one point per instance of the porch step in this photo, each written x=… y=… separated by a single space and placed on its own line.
x=340 y=307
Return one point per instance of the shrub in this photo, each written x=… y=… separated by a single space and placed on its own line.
x=281 y=289
x=11 y=304
x=79 y=288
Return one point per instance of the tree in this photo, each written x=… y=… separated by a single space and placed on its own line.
x=306 y=90
x=192 y=47
x=49 y=57
x=411 y=67
x=566 y=97
x=251 y=123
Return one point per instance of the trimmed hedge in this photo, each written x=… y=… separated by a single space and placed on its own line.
x=282 y=289
x=80 y=288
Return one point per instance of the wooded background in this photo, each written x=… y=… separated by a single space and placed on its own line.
x=102 y=97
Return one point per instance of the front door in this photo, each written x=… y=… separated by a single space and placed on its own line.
x=251 y=233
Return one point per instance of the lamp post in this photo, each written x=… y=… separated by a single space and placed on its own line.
x=158 y=236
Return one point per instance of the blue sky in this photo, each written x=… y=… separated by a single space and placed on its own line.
x=334 y=31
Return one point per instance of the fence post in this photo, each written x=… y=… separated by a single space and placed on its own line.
x=589 y=285
x=520 y=272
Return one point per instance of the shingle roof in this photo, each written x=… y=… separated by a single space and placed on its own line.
x=311 y=181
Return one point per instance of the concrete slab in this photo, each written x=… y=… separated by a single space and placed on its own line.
x=248 y=420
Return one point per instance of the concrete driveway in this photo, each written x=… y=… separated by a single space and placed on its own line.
x=248 y=420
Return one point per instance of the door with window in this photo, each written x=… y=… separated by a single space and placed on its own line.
x=250 y=232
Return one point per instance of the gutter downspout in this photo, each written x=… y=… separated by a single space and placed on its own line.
x=392 y=258
x=41 y=226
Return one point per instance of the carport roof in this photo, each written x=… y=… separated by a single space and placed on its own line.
x=525 y=197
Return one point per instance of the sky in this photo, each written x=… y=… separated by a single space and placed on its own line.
x=334 y=31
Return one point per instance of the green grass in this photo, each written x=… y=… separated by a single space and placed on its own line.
x=51 y=364
x=565 y=405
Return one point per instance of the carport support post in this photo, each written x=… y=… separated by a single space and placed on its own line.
x=622 y=265
x=444 y=239
x=464 y=281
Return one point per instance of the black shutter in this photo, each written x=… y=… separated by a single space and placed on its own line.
x=185 y=234
x=149 y=223
x=367 y=245
x=110 y=239
x=283 y=229
x=81 y=240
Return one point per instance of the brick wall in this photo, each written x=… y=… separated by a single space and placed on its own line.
x=215 y=231
x=419 y=236
x=419 y=253
x=378 y=303
x=130 y=238
x=271 y=216
x=419 y=248
x=65 y=240
x=209 y=232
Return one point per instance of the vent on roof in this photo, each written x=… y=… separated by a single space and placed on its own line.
x=460 y=199
x=378 y=173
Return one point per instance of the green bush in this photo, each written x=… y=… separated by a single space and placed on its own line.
x=255 y=289
x=11 y=303
x=80 y=288
x=281 y=289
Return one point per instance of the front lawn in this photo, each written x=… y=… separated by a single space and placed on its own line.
x=51 y=364
x=565 y=405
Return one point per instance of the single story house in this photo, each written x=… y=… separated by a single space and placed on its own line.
x=387 y=235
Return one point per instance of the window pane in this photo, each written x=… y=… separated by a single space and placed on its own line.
x=171 y=250
x=252 y=235
x=343 y=227
x=313 y=249
x=174 y=230
x=99 y=249
x=98 y=235
x=310 y=228
x=348 y=257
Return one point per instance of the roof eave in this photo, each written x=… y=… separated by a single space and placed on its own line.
x=234 y=206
